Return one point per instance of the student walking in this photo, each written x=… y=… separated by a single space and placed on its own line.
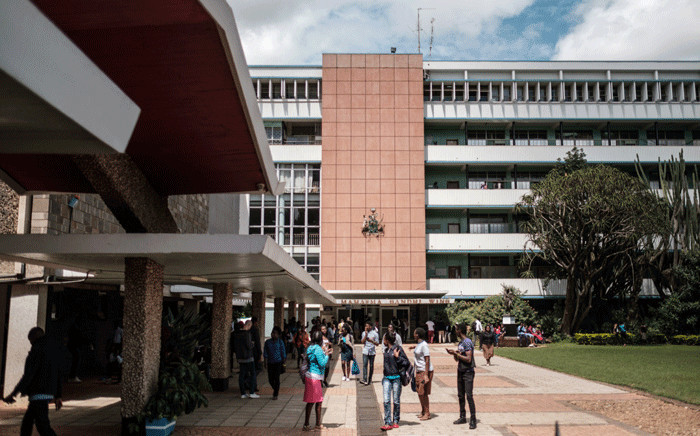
x=274 y=353
x=431 y=330
x=424 y=372
x=370 y=340
x=395 y=361
x=243 y=344
x=464 y=356
x=313 y=391
x=327 y=345
x=487 y=339
x=41 y=382
x=347 y=351
x=301 y=341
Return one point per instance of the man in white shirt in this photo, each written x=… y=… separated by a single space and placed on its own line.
x=370 y=339
x=424 y=372
x=477 y=326
x=431 y=330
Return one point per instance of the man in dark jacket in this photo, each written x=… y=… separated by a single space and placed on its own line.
x=41 y=382
x=243 y=346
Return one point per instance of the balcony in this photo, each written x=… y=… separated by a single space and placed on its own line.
x=299 y=239
x=475 y=242
x=531 y=288
x=468 y=154
x=473 y=198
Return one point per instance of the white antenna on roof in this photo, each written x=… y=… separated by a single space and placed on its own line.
x=418 y=29
x=432 y=29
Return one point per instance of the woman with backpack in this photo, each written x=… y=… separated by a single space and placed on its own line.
x=347 y=351
x=313 y=390
x=395 y=361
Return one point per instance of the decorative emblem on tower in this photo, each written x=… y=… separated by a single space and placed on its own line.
x=373 y=225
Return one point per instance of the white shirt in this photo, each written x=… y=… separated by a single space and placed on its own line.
x=369 y=347
x=477 y=325
x=431 y=326
x=420 y=352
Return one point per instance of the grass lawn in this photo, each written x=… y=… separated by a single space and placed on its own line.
x=668 y=370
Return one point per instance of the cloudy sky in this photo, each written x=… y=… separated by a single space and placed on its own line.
x=298 y=31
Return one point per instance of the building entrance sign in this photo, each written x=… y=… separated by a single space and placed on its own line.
x=373 y=225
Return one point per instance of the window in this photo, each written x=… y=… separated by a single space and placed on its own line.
x=426 y=91
x=264 y=90
x=290 y=89
x=472 y=93
x=579 y=92
x=520 y=92
x=576 y=137
x=276 y=89
x=531 y=137
x=487 y=137
x=313 y=90
x=666 y=137
x=452 y=185
x=506 y=92
x=623 y=137
x=496 y=92
x=453 y=228
x=543 y=93
x=452 y=142
x=292 y=218
x=274 y=134
x=484 y=93
x=448 y=88
x=459 y=92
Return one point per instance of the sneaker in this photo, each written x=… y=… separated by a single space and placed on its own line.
x=386 y=427
x=472 y=423
x=74 y=380
x=244 y=396
x=460 y=421
x=345 y=378
x=254 y=395
x=395 y=425
x=531 y=345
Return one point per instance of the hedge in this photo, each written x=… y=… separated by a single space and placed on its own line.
x=652 y=338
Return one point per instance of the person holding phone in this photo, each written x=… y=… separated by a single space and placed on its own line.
x=370 y=340
x=464 y=356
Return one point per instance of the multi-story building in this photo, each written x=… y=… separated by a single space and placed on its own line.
x=443 y=151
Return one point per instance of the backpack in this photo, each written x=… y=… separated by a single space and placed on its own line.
x=408 y=373
x=303 y=367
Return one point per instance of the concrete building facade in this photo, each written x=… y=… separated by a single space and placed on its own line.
x=443 y=151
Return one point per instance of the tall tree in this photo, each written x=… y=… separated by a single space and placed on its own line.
x=589 y=225
x=683 y=207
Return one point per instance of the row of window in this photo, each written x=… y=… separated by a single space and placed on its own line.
x=554 y=91
x=294 y=134
x=287 y=89
x=578 y=137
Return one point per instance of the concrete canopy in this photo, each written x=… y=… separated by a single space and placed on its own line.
x=251 y=262
x=181 y=63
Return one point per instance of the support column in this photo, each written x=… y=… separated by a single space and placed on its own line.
x=27 y=309
x=221 y=336
x=302 y=313
x=279 y=313
x=291 y=310
x=258 y=304
x=143 y=307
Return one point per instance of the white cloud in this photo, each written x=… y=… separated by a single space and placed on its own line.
x=297 y=32
x=633 y=29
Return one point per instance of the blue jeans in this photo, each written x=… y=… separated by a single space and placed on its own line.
x=392 y=386
x=247 y=379
x=367 y=359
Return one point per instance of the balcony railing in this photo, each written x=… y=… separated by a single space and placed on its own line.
x=492 y=228
x=300 y=240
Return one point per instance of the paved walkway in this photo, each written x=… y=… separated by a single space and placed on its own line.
x=511 y=398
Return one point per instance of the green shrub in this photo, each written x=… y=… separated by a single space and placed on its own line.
x=613 y=339
x=685 y=339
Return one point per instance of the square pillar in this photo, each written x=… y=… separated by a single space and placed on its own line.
x=143 y=308
x=302 y=313
x=221 y=317
x=291 y=310
x=279 y=313
x=26 y=310
x=258 y=304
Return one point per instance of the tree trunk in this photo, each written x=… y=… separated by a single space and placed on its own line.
x=567 y=321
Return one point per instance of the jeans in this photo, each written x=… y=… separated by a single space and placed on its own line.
x=392 y=386
x=273 y=376
x=247 y=377
x=465 y=386
x=37 y=412
x=367 y=359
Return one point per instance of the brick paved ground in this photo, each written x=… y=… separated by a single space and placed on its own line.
x=511 y=398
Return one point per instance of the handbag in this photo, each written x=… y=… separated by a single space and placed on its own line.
x=355 y=367
x=414 y=388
